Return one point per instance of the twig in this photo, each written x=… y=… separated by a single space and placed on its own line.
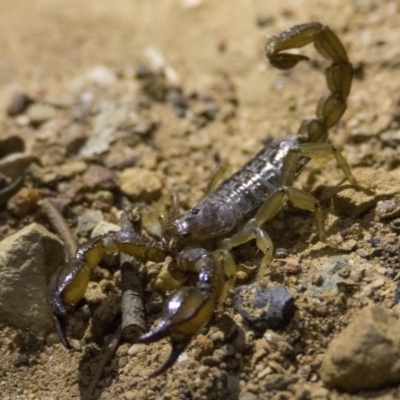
x=133 y=323
x=133 y=319
x=9 y=190
x=59 y=224
x=105 y=359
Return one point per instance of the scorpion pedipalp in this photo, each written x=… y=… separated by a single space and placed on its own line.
x=186 y=311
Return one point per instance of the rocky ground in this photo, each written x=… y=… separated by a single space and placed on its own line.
x=103 y=102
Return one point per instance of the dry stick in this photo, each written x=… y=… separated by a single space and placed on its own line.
x=59 y=224
x=105 y=359
x=133 y=318
x=133 y=323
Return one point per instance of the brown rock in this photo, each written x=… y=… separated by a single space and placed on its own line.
x=27 y=260
x=99 y=177
x=352 y=202
x=140 y=184
x=365 y=355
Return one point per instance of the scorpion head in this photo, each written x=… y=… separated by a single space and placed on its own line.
x=198 y=224
x=176 y=234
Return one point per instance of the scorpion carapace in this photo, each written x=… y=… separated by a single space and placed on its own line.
x=200 y=240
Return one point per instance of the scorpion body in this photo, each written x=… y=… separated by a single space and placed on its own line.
x=232 y=214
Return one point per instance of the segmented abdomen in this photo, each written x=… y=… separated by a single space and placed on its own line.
x=247 y=189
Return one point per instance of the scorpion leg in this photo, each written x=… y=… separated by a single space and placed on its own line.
x=320 y=151
x=163 y=218
x=221 y=172
x=188 y=309
x=266 y=213
x=229 y=267
x=69 y=283
x=249 y=232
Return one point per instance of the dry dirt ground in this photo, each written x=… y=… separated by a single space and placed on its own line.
x=213 y=51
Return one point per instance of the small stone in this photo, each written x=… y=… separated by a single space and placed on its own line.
x=101 y=75
x=15 y=164
x=19 y=103
x=397 y=293
x=40 y=113
x=88 y=220
x=104 y=227
x=248 y=396
x=178 y=102
x=264 y=308
x=352 y=202
x=365 y=354
x=391 y=138
x=377 y=284
x=136 y=349
x=57 y=173
x=27 y=261
x=395 y=225
x=52 y=339
x=140 y=184
x=388 y=209
x=25 y=201
x=10 y=145
x=73 y=138
x=99 y=177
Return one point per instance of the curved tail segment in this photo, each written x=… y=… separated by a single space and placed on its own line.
x=339 y=74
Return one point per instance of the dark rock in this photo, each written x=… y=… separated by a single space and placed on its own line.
x=178 y=102
x=395 y=225
x=397 y=293
x=12 y=144
x=19 y=103
x=264 y=308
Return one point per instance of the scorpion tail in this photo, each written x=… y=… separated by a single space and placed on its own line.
x=186 y=311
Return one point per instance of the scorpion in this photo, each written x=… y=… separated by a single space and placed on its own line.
x=232 y=213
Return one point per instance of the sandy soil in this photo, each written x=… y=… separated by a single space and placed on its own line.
x=215 y=49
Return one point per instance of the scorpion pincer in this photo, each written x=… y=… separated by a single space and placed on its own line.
x=233 y=213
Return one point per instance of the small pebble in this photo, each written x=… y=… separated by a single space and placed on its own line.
x=395 y=225
x=140 y=184
x=352 y=202
x=264 y=308
x=40 y=113
x=136 y=349
x=10 y=145
x=388 y=209
x=101 y=75
x=99 y=177
x=89 y=220
x=397 y=293
x=19 y=103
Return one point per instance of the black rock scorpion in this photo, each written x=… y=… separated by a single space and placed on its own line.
x=233 y=213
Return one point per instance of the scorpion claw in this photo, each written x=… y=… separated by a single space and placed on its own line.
x=60 y=328
x=177 y=348
x=66 y=289
x=186 y=311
